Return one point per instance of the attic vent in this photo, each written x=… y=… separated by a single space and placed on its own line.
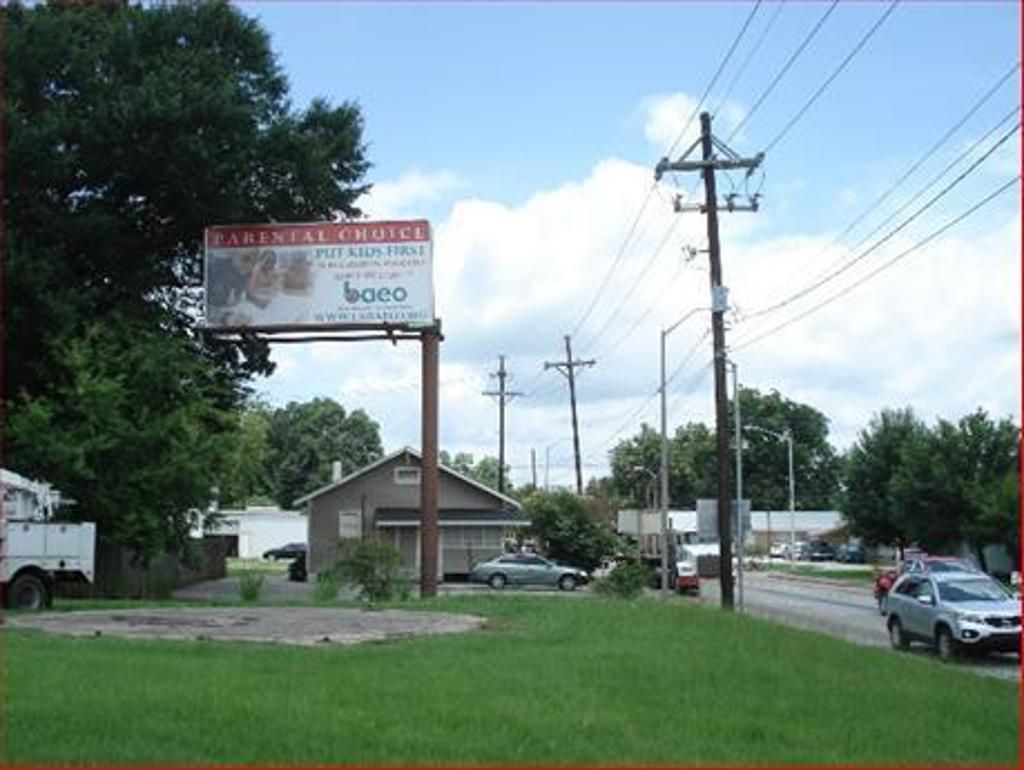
x=408 y=475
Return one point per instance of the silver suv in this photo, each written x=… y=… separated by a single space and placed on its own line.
x=953 y=611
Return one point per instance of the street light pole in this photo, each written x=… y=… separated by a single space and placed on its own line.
x=792 y=497
x=664 y=452
x=787 y=436
x=739 y=485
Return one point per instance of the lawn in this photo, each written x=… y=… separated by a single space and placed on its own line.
x=864 y=575
x=549 y=681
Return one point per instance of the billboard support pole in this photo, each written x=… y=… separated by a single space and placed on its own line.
x=431 y=339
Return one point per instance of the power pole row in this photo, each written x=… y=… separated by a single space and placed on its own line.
x=708 y=165
x=503 y=396
x=568 y=368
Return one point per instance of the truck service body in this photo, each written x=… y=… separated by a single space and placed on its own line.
x=36 y=552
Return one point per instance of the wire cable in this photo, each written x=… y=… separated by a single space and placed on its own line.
x=906 y=175
x=714 y=79
x=828 y=81
x=884 y=266
x=750 y=56
x=785 y=68
x=814 y=285
x=636 y=282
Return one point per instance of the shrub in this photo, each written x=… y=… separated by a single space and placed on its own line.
x=626 y=581
x=327 y=585
x=250 y=583
x=375 y=567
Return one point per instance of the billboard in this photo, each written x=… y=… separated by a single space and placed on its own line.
x=313 y=276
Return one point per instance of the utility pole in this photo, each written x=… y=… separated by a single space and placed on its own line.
x=533 y=467
x=708 y=165
x=504 y=396
x=568 y=368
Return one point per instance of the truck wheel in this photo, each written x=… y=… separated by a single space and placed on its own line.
x=28 y=592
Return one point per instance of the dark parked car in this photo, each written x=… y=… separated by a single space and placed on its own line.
x=821 y=551
x=290 y=551
x=851 y=553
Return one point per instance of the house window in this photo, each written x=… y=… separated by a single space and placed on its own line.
x=407 y=475
x=350 y=524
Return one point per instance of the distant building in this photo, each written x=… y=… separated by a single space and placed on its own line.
x=254 y=530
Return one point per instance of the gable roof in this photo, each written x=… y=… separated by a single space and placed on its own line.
x=505 y=500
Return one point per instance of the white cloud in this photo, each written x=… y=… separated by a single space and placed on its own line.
x=402 y=196
x=666 y=115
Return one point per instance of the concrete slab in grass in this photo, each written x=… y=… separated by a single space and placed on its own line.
x=284 y=625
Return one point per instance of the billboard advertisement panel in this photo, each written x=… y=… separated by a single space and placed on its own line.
x=319 y=275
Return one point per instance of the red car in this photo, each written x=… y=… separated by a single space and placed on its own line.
x=919 y=562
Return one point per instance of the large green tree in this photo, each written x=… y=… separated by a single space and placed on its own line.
x=936 y=487
x=127 y=131
x=958 y=485
x=870 y=503
x=246 y=478
x=567 y=530
x=303 y=440
x=142 y=468
x=765 y=462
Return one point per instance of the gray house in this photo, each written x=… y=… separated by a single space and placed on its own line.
x=383 y=499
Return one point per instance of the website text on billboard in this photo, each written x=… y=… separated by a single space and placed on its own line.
x=319 y=274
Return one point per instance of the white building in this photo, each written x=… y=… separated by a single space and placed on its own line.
x=260 y=528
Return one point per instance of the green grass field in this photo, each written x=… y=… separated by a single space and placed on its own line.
x=549 y=681
x=864 y=575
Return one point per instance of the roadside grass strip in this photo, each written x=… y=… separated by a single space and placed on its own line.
x=576 y=682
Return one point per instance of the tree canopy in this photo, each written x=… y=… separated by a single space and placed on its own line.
x=567 y=530
x=128 y=130
x=936 y=487
x=636 y=461
x=303 y=441
x=484 y=470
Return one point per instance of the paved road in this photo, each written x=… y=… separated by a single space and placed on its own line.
x=846 y=611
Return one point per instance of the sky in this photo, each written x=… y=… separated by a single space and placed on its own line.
x=527 y=134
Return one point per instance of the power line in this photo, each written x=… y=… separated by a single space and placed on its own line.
x=910 y=171
x=714 y=79
x=931 y=183
x=785 y=68
x=750 y=56
x=675 y=373
x=640 y=276
x=885 y=265
x=640 y=318
x=615 y=261
x=888 y=236
x=828 y=81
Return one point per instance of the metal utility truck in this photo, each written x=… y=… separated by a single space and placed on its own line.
x=36 y=552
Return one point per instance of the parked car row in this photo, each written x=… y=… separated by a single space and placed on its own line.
x=817 y=550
